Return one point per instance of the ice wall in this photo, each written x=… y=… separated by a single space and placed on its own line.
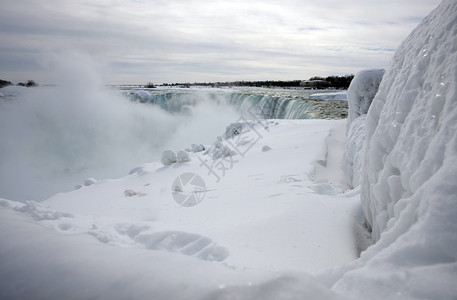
x=360 y=94
x=353 y=151
x=409 y=183
x=362 y=91
x=411 y=127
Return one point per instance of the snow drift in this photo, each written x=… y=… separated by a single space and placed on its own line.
x=408 y=186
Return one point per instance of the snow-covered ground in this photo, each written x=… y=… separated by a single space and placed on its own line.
x=270 y=213
x=264 y=211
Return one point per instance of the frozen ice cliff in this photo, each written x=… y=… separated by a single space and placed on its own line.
x=360 y=94
x=408 y=184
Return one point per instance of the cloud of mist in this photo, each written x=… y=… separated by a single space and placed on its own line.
x=55 y=137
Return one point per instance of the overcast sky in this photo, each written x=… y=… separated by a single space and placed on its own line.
x=137 y=41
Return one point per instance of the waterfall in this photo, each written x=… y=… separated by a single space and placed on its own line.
x=260 y=105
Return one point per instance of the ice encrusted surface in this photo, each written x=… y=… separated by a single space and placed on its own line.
x=361 y=92
x=409 y=187
x=411 y=133
x=353 y=151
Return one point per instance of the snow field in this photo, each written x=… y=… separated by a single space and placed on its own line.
x=247 y=212
x=255 y=225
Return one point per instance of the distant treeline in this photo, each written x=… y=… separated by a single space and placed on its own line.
x=29 y=83
x=337 y=82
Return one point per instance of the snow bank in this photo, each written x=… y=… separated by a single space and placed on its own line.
x=409 y=185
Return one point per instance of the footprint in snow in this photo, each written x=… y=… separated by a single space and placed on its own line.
x=191 y=244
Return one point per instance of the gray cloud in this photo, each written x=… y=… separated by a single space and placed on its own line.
x=202 y=40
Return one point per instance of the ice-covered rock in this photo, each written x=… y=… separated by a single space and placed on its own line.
x=361 y=92
x=196 y=148
x=168 y=157
x=183 y=156
x=409 y=186
x=238 y=128
x=233 y=129
x=130 y=193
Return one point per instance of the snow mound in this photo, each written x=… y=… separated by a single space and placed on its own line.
x=39 y=213
x=361 y=92
x=89 y=181
x=196 y=148
x=168 y=158
x=408 y=188
x=219 y=150
x=183 y=156
x=238 y=128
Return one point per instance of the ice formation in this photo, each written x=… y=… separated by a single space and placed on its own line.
x=408 y=186
x=360 y=94
x=196 y=148
x=89 y=181
x=411 y=127
x=168 y=157
x=183 y=156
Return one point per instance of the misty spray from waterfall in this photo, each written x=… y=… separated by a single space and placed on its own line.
x=55 y=137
